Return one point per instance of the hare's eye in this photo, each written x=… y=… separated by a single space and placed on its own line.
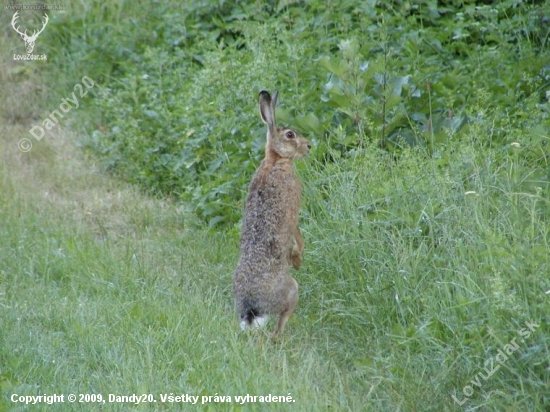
x=290 y=134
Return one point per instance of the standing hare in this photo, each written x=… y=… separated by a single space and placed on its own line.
x=270 y=238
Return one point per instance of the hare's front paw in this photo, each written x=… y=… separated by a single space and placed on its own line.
x=296 y=258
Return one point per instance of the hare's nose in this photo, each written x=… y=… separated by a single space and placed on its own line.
x=309 y=146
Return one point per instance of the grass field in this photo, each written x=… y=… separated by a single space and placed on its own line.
x=424 y=287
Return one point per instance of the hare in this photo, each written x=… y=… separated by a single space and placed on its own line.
x=270 y=238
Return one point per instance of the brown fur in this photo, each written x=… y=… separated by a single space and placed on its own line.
x=270 y=237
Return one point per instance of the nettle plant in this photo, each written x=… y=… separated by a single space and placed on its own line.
x=374 y=100
x=416 y=83
x=178 y=117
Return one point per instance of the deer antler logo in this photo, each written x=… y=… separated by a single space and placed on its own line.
x=29 y=40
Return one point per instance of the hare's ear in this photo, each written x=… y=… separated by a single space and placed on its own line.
x=274 y=100
x=267 y=107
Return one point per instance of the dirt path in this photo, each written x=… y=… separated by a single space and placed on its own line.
x=56 y=177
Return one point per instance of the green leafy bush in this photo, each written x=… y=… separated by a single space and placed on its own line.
x=179 y=116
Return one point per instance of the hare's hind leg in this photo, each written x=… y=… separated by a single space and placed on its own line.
x=290 y=305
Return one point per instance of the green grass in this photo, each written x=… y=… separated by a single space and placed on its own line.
x=105 y=291
x=112 y=294
x=420 y=265
x=409 y=287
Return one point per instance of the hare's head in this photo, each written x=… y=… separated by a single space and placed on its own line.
x=281 y=141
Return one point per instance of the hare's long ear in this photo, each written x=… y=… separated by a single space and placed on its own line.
x=267 y=107
x=274 y=100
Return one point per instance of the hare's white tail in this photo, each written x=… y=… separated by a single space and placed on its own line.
x=253 y=322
